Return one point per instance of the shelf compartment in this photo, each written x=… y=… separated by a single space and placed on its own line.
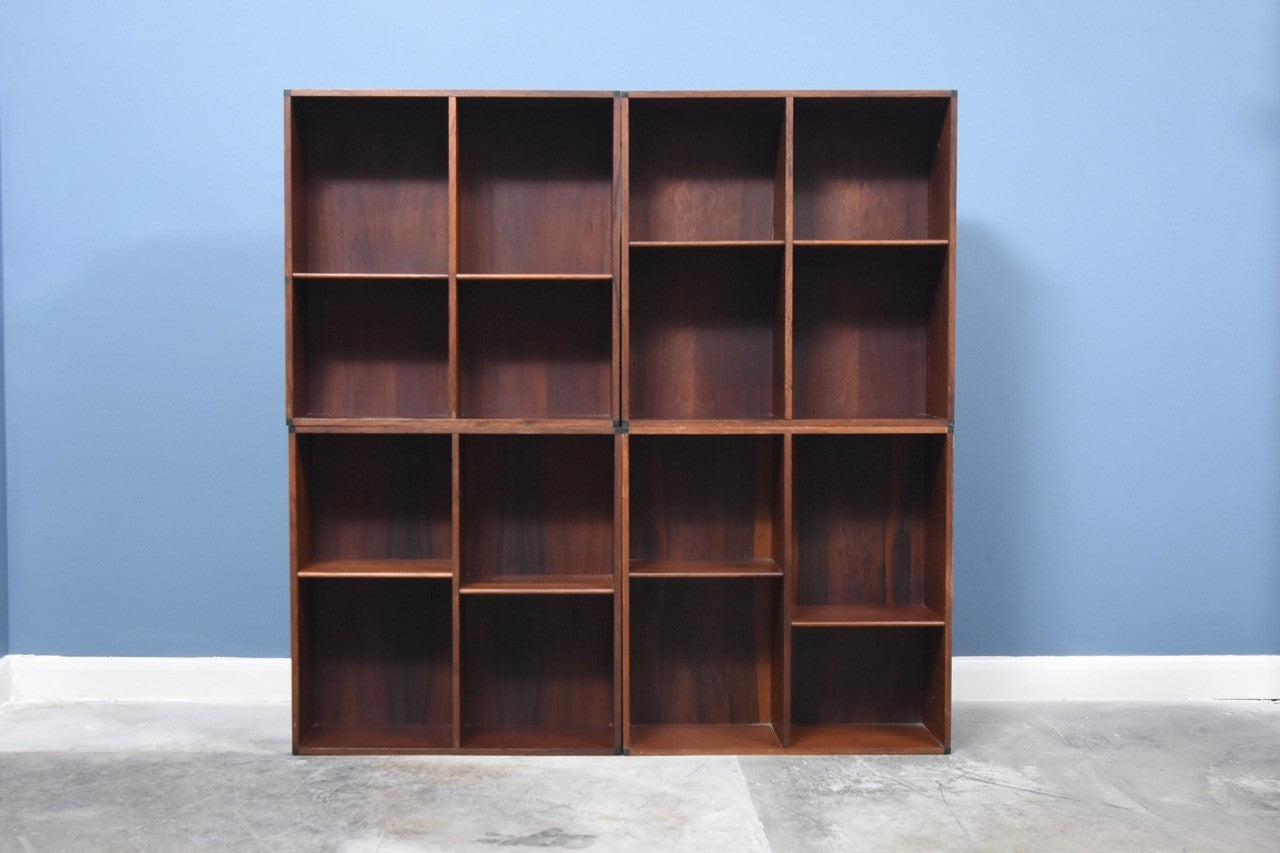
x=706 y=504
x=535 y=181
x=706 y=332
x=557 y=584
x=536 y=505
x=438 y=568
x=854 y=615
x=537 y=673
x=370 y=185
x=378 y=664
x=370 y=349
x=872 y=168
x=707 y=169
x=704 y=568
x=740 y=739
x=868 y=689
x=535 y=350
x=705 y=653
x=383 y=498
x=872 y=328
x=870 y=520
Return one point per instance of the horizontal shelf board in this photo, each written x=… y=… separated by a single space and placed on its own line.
x=704 y=569
x=376 y=738
x=449 y=425
x=534 y=276
x=544 y=584
x=445 y=93
x=729 y=739
x=871 y=244
x=378 y=569
x=902 y=739
x=706 y=244
x=370 y=276
x=796 y=93
x=871 y=426
x=534 y=739
x=862 y=615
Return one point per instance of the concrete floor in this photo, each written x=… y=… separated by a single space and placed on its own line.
x=1061 y=776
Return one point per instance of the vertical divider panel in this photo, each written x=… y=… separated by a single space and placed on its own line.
x=454 y=368
x=623 y=213
x=297 y=494
x=788 y=259
x=786 y=560
x=456 y=491
x=615 y=406
x=621 y=590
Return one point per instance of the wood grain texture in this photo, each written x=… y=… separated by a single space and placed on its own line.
x=703 y=329
x=862 y=676
x=705 y=169
x=536 y=505
x=541 y=350
x=376 y=497
x=862 y=331
x=863 y=167
x=535 y=185
x=372 y=349
x=536 y=662
x=696 y=651
x=866 y=533
x=704 y=499
x=380 y=656
x=374 y=194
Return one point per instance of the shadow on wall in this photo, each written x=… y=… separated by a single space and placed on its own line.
x=996 y=447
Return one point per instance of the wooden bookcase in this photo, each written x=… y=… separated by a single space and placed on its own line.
x=620 y=421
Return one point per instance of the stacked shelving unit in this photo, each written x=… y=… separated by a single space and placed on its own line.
x=620 y=421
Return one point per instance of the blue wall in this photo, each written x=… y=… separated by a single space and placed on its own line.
x=1118 y=437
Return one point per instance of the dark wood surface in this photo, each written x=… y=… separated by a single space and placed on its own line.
x=863 y=519
x=862 y=324
x=372 y=349
x=703 y=324
x=374 y=185
x=862 y=676
x=535 y=185
x=623 y=421
x=705 y=169
x=863 y=168
x=379 y=657
x=701 y=651
x=376 y=497
x=704 y=499
x=536 y=662
x=539 y=350
x=536 y=505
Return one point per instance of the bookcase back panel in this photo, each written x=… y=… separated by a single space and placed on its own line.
x=539 y=350
x=702 y=651
x=535 y=185
x=375 y=193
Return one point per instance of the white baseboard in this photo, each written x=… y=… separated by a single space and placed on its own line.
x=47 y=678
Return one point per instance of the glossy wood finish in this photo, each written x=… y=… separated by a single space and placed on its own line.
x=535 y=350
x=705 y=169
x=537 y=672
x=865 y=168
x=706 y=500
x=703 y=326
x=536 y=505
x=623 y=421
x=535 y=185
x=866 y=522
x=862 y=331
x=372 y=194
x=844 y=679
x=372 y=349
x=379 y=662
x=374 y=498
